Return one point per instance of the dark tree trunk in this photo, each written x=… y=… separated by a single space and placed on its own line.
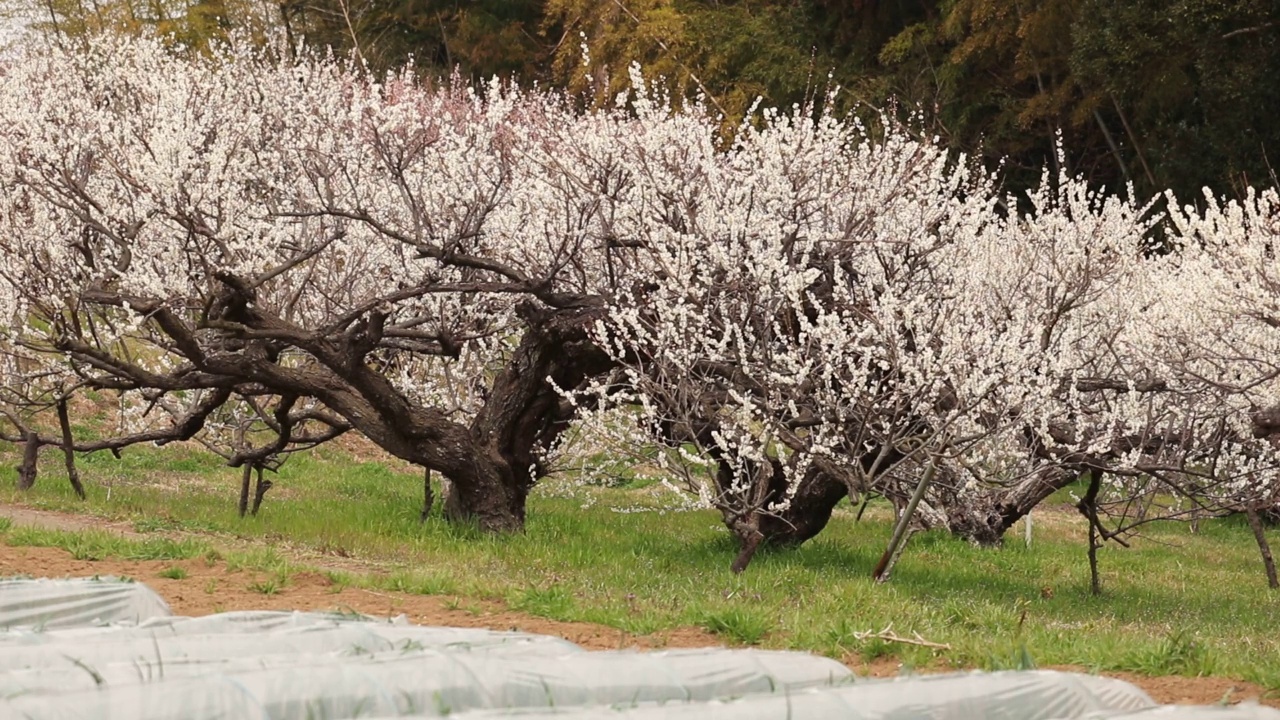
x=68 y=449
x=813 y=502
x=1259 y=534
x=1088 y=507
x=488 y=495
x=246 y=475
x=805 y=516
x=492 y=463
x=522 y=417
x=428 y=498
x=260 y=491
x=984 y=520
x=749 y=540
x=30 y=461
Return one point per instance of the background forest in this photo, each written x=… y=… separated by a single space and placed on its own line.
x=1163 y=94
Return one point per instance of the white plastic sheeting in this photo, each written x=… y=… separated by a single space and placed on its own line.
x=438 y=683
x=1034 y=695
x=177 y=647
x=102 y=649
x=90 y=664
x=248 y=628
x=1244 y=711
x=78 y=602
x=109 y=649
x=396 y=629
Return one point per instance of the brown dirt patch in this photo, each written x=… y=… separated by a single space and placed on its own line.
x=64 y=521
x=1177 y=690
x=209 y=587
x=1200 y=690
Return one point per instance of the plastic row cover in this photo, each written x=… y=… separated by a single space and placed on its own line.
x=430 y=683
x=259 y=621
x=1035 y=695
x=397 y=630
x=64 y=667
x=99 y=650
x=218 y=637
x=175 y=647
x=77 y=602
x=236 y=622
x=1183 y=712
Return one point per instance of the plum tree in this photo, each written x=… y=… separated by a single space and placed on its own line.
x=266 y=250
x=331 y=252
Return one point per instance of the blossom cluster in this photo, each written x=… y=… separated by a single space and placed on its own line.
x=802 y=301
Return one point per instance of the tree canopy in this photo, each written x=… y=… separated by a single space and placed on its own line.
x=1161 y=95
x=265 y=251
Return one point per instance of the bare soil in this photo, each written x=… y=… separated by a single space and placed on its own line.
x=210 y=587
x=64 y=521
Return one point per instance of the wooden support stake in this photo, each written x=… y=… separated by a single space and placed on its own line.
x=900 y=530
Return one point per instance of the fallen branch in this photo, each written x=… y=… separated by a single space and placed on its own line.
x=888 y=635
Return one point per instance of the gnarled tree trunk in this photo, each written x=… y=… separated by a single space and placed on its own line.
x=491 y=496
x=522 y=417
x=807 y=511
x=805 y=515
x=984 y=518
x=493 y=462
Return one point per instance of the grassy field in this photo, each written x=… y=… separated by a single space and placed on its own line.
x=1174 y=603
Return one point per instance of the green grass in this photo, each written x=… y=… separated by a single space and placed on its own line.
x=554 y=602
x=261 y=558
x=268 y=586
x=742 y=625
x=99 y=545
x=415 y=583
x=173 y=573
x=1174 y=603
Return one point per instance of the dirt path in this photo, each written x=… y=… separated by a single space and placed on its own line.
x=64 y=521
x=210 y=587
